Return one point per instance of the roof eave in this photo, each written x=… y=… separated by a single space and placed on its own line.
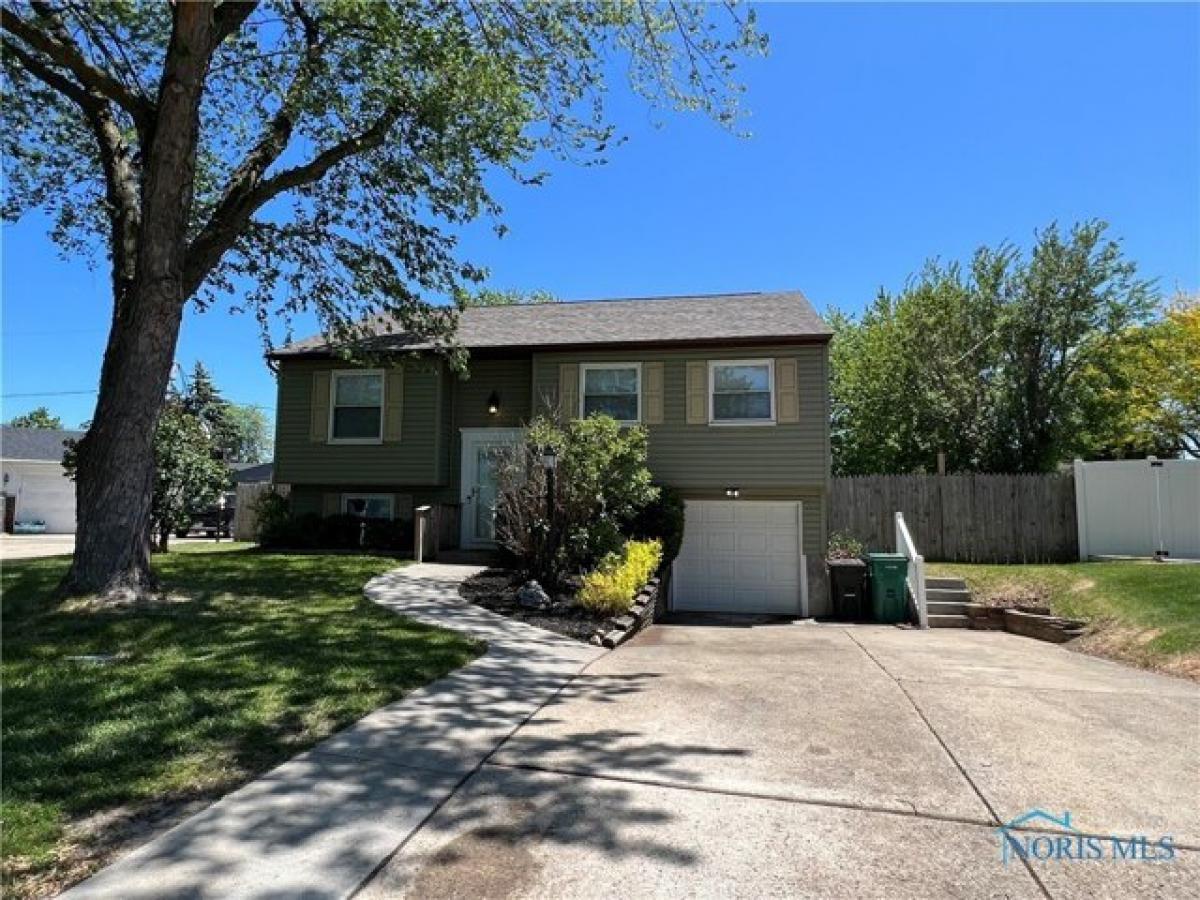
x=817 y=338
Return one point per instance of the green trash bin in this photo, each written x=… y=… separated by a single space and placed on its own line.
x=889 y=599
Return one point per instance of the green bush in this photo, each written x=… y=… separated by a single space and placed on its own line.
x=610 y=589
x=600 y=485
x=272 y=512
x=310 y=531
x=662 y=519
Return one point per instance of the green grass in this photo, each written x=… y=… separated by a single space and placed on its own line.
x=258 y=657
x=1144 y=612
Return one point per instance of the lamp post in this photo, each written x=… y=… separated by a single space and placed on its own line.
x=220 y=516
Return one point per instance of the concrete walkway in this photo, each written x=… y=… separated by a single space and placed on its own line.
x=320 y=824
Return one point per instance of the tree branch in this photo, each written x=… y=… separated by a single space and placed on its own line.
x=64 y=52
x=51 y=77
x=229 y=18
x=229 y=218
x=120 y=176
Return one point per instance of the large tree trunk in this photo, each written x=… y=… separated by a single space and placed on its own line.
x=115 y=477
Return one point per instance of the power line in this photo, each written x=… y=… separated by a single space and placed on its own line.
x=44 y=394
x=96 y=391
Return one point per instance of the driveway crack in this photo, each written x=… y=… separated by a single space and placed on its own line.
x=946 y=749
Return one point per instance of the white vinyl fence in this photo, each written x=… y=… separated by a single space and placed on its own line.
x=1138 y=507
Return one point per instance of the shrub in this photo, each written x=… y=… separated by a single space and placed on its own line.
x=662 y=519
x=601 y=484
x=388 y=534
x=844 y=546
x=272 y=512
x=310 y=531
x=610 y=589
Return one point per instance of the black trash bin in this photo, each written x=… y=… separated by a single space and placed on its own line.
x=848 y=588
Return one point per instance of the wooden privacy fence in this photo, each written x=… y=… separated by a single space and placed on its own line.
x=245 y=515
x=962 y=518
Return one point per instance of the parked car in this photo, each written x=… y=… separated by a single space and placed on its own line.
x=213 y=520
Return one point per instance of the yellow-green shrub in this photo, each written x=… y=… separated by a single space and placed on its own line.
x=612 y=586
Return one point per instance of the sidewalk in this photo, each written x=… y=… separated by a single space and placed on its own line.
x=321 y=823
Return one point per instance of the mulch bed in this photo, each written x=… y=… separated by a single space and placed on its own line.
x=496 y=590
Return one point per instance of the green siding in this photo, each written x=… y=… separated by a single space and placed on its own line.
x=411 y=461
x=762 y=461
x=510 y=379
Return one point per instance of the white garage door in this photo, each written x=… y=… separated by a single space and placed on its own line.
x=49 y=496
x=740 y=556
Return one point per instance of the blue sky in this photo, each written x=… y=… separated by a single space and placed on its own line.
x=881 y=135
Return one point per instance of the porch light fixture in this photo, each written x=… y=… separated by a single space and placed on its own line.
x=732 y=493
x=493 y=404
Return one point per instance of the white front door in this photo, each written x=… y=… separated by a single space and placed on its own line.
x=741 y=556
x=480 y=451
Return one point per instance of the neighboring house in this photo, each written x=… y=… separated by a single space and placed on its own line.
x=251 y=473
x=733 y=389
x=36 y=486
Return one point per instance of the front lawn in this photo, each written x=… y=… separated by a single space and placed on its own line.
x=1145 y=613
x=113 y=719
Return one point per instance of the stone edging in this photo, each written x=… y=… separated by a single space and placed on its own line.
x=1029 y=621
x=646 y=606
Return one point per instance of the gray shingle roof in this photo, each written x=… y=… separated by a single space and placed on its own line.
x=35 y=443
x=716 y=318
x=249 y=473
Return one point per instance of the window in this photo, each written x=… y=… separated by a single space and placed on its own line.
x=612 y=389
x=741 y=392
x=368 y=506
x=356 y=413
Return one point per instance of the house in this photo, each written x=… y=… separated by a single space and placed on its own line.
x=36 y=486
x=250 y=473
x=732 y=388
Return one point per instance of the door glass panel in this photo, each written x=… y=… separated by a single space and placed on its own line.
x=486 y=461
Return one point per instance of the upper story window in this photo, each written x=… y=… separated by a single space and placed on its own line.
x=613 y=389
x=356 y=413
x=741 y=392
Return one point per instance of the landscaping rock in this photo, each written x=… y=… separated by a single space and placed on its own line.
x=613 y=638
x=624 y=623
x=532 y=596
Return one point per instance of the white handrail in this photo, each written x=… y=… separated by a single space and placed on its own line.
x=916 y=569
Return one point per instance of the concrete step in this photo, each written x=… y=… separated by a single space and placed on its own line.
x=949 y=595
x=954 y=584
x=940 y=621
x=945 y=608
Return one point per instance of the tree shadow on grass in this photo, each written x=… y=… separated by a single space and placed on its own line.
x=255 y=658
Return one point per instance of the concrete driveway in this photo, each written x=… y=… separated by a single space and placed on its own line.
x=822 y=761
x=30 y=546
